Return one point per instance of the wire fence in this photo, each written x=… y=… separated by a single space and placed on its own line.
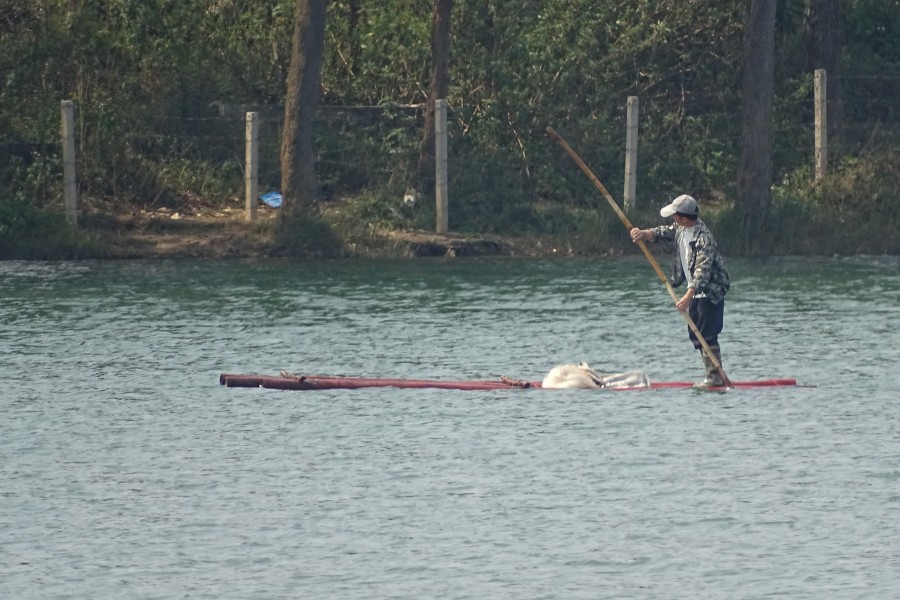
x=354 y=145
x=688 y=142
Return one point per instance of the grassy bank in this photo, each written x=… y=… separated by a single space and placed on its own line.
x=856 y=210
x=28 y=232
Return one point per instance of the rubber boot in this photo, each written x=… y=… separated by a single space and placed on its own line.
x=713 y=377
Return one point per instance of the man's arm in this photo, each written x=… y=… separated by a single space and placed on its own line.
x=645 y=235
x=667 y=233
x=663 y=233
x=685 y=302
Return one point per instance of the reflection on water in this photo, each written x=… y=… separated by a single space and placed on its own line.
x=127 y=471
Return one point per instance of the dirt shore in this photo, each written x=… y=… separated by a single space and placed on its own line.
x=168 y=234
x=226 y=233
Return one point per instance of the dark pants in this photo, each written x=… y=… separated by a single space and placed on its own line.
x=708 y=318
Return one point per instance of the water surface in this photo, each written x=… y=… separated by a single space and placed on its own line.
x=126 y=471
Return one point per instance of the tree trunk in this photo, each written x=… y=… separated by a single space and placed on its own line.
x=755 y=167
x=299 y=185
x=823 y=51
x=437 y=87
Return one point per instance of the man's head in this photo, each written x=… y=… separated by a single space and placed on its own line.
x=683 y=210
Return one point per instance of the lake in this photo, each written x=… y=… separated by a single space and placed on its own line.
x=127 y=471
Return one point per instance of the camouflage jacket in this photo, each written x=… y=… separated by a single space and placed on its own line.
x=707 y=267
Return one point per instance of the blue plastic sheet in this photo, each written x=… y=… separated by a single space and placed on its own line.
x=273 y=199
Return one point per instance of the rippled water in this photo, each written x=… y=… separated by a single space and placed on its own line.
x=126 y=471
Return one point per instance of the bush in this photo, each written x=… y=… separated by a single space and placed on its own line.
x=855 y=210
x=29 y=232
x=307 y=235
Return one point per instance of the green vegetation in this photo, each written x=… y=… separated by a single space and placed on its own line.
x=28 y=232
x=145 y=75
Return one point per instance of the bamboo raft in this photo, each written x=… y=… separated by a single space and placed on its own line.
x=289 y=381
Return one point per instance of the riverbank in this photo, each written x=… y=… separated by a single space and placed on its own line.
x=356 y=228
x=212 y=232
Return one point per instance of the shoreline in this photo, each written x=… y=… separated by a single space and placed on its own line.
x=225 y=234
x=216 y=233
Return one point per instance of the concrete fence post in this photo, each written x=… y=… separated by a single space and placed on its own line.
x=251 y=167
x=631 y=146
x=70 y=192
x=821 y=123
x=440 y=156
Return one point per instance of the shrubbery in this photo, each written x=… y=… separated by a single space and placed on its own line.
x=144 y=76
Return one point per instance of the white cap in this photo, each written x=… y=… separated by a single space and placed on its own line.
x=683 y=204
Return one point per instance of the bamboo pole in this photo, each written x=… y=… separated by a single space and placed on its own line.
x=646 y=251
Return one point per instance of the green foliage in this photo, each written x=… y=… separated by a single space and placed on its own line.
x=874 y=27
x=145 y=74
x=860 y=187
x=32 y=225
x=356 y=151
x=854 y=210
x=28 y=232
x=307 y=235
x=376 y=51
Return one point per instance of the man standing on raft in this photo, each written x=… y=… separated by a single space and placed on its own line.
x=697 y=261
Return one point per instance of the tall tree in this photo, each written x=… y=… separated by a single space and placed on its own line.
x=755 y=166
x=440 y=79
x=823 y=51
x=299 y=185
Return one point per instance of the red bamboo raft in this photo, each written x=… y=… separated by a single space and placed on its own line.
x=288 y=381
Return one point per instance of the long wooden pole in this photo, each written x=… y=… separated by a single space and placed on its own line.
x=646 y=251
